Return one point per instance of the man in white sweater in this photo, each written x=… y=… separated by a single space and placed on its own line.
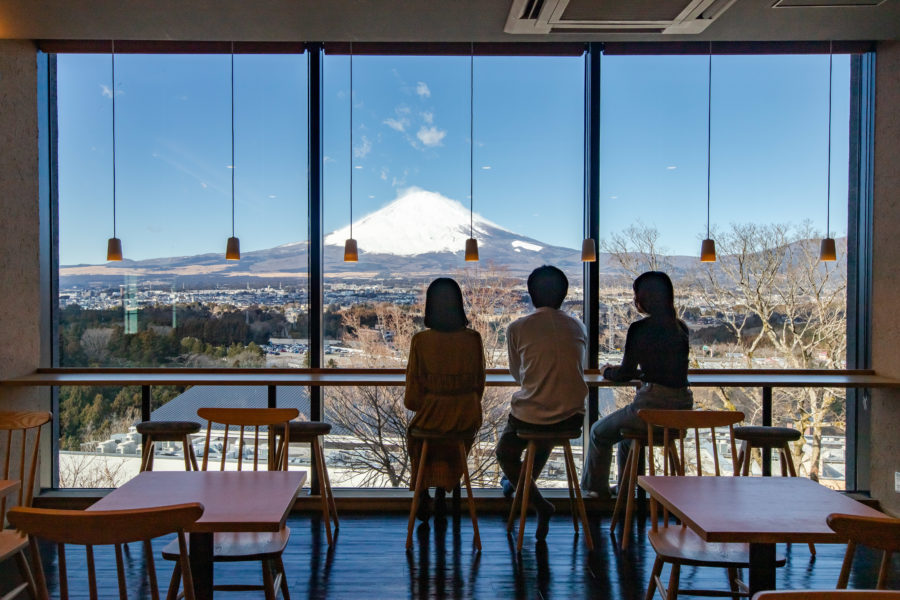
x=546 y=358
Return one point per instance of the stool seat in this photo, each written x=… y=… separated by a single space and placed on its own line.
x=454 y=436
x=167 y=431
x=531 y=434
x=302 y=429
x=767 y=437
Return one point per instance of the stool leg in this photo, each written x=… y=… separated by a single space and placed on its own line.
x=624 y=489
x=579 y=502
x=148 y=448
x=745 y=451
x=517 y=498
x=572 y=485
x=632 y=483
x=320 y=468
x=529 y=473
x=185 y=445
x=326 y=480
x=476 y=538
x=420 y=479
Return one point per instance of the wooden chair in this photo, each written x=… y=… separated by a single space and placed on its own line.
x=242 y=547
x=523 y=488
x=97 y=528
x=678 y=545
x=450 y=439
x=773 y=438
x=880 y=533
x=628 y=485
x=308 y=432
x=20 y=439
x=168 y=431
x=829 y=595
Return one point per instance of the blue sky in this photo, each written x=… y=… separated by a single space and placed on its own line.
x=411 y=128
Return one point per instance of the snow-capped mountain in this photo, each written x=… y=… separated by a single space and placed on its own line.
x=420 y=234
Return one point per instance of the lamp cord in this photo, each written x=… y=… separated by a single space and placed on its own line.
x=708 y=136
x=828 y=173
x=113 y=91
x=351 y=140
x=232 y=139
x=471 y=139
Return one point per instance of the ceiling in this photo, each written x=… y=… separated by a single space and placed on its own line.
x=416 y=20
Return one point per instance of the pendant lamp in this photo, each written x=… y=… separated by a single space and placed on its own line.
x=708 y=246
x=828 y=252
x=471 y=243
x=114 y=244
x=233 y=247
x=351 y=252
x=588 y=250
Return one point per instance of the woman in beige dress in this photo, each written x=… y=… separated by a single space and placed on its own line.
x=444 y=385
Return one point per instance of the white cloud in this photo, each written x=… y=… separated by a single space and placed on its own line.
x=431 y=136
x=397 y=124
x=384 y=174
x=327 y=159
x=105 y=91
x=486 y=168
x=671 y=168
x=363 y=148
x=428 y=117
x=422 y=90
x=204 y=185
x=272 y=196
x=358 y=167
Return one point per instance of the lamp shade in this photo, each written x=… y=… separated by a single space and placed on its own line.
x=708 y=251
x=114 y=249
x=233 y=249
x=588 y=250
x=471 y=250
x=827 y=251
x=351 y=254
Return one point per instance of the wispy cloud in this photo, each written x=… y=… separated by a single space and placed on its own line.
x=431 y=136
x=671 y=168
x=383 y=174
x=486 y=168
x=422 y=90
x=397 y=124
x=428 y=117
x=106 y=91
x=363 y=148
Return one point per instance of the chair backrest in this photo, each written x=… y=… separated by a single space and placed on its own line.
x=874 y=532
x=242 y=418
x=677 y=425
x=829 y=595
x=20 y=436
x=99 y=528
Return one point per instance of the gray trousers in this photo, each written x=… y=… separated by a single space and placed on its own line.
x=607 y=431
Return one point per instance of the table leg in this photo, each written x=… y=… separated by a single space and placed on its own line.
x=762 y=568
x=201 y=553
x=767 y=422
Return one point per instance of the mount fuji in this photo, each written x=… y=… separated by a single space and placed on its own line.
x=419 y=234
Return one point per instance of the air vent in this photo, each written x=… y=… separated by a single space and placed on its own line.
x=616 y=16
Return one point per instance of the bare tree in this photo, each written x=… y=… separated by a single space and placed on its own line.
x=94 y=342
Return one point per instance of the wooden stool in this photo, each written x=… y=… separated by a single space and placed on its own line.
x=168 y=431
x=773 y=438
x=523 y=488
x=460 y=440
x=628 y=481
x=308 y=432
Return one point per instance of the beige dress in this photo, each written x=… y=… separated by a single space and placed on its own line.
x=444 y=385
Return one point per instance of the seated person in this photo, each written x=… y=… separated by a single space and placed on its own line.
x=656 y=352
x=444 y=385
x=546 y=358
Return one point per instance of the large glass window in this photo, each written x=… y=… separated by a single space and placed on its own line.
x=175 y=301
x=768 y=302
x=411 y=217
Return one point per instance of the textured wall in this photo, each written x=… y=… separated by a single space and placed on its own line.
x=885 y=442
x=19 y=221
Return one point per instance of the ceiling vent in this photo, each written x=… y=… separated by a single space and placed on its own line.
x=613 y=16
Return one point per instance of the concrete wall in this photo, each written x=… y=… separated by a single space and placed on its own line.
x=885 y=442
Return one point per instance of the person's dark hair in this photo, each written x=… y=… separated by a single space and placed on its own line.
x=655 y=293
x=444 y=306
x=547 y=286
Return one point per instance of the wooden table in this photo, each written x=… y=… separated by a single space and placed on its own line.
x=760 y=511
x=232 y=501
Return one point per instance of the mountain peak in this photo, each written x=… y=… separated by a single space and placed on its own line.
x=416 y=222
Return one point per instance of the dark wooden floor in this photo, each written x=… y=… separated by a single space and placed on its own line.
x=368 y=560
